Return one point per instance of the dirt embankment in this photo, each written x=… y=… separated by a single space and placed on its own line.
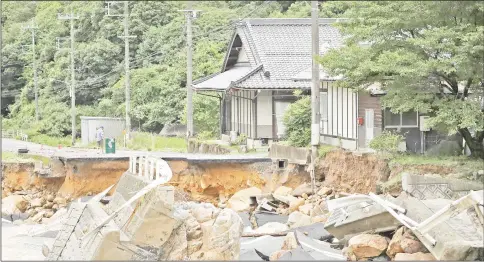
x=352 y=173
x=216 y=182
x=22 y=177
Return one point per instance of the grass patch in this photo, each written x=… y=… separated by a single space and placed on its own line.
x=149 y=142
x=50 y=141
x=10 y=157
x=324 y=149
x=404 y=159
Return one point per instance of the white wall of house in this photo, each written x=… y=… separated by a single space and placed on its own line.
x=281 y=108
x=264 y=114
x=338 y=112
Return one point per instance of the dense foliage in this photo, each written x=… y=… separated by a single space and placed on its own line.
x=297 y=120
x=387 y=142
x=428 y=56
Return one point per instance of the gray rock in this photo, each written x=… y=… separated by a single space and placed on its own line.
x=300 y=190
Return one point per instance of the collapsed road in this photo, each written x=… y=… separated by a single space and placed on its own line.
x=192 y=216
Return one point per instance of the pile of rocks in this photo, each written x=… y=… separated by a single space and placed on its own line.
x=31 y=206
x=403 y=246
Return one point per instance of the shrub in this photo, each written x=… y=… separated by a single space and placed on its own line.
x=297 y=120
x=386 y=142
x=241 y=140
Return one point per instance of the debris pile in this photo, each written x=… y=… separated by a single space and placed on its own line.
x=153 y=228
x=30 y=206
x=433 y=219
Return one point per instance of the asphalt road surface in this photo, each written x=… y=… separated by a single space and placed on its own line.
x=12 y=145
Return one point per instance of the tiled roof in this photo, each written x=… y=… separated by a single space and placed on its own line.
x=283 y=47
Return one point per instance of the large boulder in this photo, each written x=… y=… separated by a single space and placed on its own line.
x=367 y=245
x=298 y=219
x=240 y=201
x=14 y=202
x=404 y=241
x=13 y=208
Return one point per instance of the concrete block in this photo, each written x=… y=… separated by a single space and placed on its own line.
x=424 y=187
x=294 y=155
x=361 y=217
x=458 y=238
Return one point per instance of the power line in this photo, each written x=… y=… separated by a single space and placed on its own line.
x=71 y=19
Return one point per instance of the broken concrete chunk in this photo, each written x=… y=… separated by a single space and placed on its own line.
x=270 y=228
x=457 y=238
x=290 y=242
x=425 y=187
x=283 y=191
x=301 y=189
x=414 y=257
x=306 y=209
x=324 y=191
x=359 y=217
x=315 y=231
x=295 y=204
x=367 y=245
x=298 y=219
x=240 y=201
x=285 y=199
x=264 y=218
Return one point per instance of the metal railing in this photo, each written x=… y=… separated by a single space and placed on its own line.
x=14 y=134
x=150 y=168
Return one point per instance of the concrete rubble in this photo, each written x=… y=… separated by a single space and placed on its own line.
x=155 y=228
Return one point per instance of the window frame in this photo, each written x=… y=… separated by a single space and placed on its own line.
x=401 y=120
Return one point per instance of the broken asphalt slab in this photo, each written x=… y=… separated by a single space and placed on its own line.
x=458 y=238
x=264 y=244
x=319 y=250
x=264 y=218
x=315 y=231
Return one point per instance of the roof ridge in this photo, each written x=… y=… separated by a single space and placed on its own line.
x=266 y=21
x=249 y=74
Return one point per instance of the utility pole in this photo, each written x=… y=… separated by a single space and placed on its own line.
x=315 y=114
x=126 y=37
x=71 y=18
x=189 y=14
x=32 y=28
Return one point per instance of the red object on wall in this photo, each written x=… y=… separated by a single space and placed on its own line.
x=360 y=121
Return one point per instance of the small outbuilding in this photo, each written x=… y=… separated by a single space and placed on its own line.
x=113 y=127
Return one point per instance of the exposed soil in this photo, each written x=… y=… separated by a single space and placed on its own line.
x=352 y=173
x=21 y=177
x=91 y=177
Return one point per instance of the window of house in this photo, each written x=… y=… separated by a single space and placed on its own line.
x=406 y=119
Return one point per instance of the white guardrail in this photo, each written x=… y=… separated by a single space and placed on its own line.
x=150 y=167
x=14 y=134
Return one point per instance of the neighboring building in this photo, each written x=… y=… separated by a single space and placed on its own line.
x=113 y=128
x=267 y=59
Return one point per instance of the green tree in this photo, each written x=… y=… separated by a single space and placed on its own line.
x=297 y=120
x=429 y=57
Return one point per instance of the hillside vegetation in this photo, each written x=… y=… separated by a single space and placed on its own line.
x=157 y=59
